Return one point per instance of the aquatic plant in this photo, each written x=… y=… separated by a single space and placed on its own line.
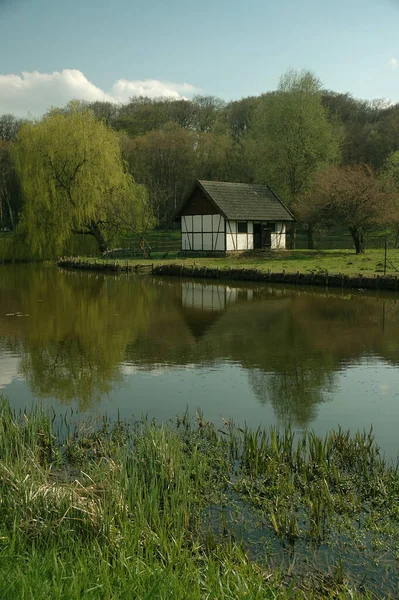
x=122 y=510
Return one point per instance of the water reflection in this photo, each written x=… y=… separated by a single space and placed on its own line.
x=72 y=337
x=75 y=333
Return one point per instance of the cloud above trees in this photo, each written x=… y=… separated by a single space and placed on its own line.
x=34 y=92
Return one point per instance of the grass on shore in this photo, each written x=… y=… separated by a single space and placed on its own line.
x=145 y=510
x=291 y=261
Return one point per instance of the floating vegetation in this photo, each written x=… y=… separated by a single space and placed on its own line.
x=189 y=510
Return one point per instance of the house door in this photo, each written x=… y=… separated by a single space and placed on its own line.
x=266 y=236
x=257 y=235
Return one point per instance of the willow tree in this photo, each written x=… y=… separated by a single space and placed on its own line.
x=74 y=181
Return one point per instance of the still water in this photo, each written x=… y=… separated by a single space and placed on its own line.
x=134 y=345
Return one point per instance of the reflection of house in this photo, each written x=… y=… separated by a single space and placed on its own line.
x=212 y=297
x=204 y=303
x=221 y=216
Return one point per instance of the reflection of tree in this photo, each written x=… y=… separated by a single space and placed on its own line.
x=78 y=329
x=285 y=366
x=295 y=391
x=83 y=326
x=292 y=343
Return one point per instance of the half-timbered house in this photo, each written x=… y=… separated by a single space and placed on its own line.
x=223 y=217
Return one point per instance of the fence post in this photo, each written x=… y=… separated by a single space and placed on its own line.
x=385 y=258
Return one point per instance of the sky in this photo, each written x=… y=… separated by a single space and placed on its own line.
x=53 y=51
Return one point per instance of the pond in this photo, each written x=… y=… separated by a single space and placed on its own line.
x=140 y=345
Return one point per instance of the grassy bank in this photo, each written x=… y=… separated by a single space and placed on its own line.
x=291 y=261
x=335 y=269
x=186 y=510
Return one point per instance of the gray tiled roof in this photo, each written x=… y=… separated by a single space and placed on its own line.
x=243 y=201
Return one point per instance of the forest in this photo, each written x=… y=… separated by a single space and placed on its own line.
x=332 y=158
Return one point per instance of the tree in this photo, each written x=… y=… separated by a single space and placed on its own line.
x=208 y=110
x=390 y=180
x=239 y=115
x=211 y=156
x=74 y=181
x=350 y=196
x=164 y=162
x=104 y=111
x=9 y=189
x=370 y=128
x=292 y=126
x=9 y=127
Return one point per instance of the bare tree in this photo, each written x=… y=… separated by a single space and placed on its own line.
x=350 y=196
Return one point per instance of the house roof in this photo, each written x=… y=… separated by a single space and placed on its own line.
x=243 y=201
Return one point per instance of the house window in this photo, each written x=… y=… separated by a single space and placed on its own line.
x=242 y=227
x=272 y=227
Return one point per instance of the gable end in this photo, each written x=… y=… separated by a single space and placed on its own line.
x=199 y=203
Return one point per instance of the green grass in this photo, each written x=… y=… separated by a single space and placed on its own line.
x=291 y=261
x=186 y=510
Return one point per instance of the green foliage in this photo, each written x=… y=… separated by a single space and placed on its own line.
x=167 y=161
x=281 y=138
x=10 y=197
x=74 y=180
x=391 y=168
x=389 y=177
x=292 y=127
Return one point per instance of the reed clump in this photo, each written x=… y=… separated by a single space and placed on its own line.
x=128 y=510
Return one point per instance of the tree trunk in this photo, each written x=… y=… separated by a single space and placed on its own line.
x=358 y=240
x=10 y=213
x=293 y=236
x=7 y=199
x=98 y=236
x=310 y=237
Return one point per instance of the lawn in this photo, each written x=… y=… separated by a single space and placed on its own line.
x=291 y=261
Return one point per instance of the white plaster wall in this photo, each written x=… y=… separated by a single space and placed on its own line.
x=197 y=241
x=207 y=222
x=238 y=241
x=207 y=237
x=187 y=223
x=218 y=241
x=243 y=240
x=197 y=223
x=231 y=228
x=278 y=238
x=217 y=223
x=186 y=241
x=194 y=239
x=193 y=236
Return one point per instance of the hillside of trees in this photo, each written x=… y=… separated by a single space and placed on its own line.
x=299 y=139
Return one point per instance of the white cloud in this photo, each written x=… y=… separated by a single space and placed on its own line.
x=8 y=371
x=393 y=62
x=123 y=89
x=35 y=92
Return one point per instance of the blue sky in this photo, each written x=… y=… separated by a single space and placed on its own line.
x=225 y=48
